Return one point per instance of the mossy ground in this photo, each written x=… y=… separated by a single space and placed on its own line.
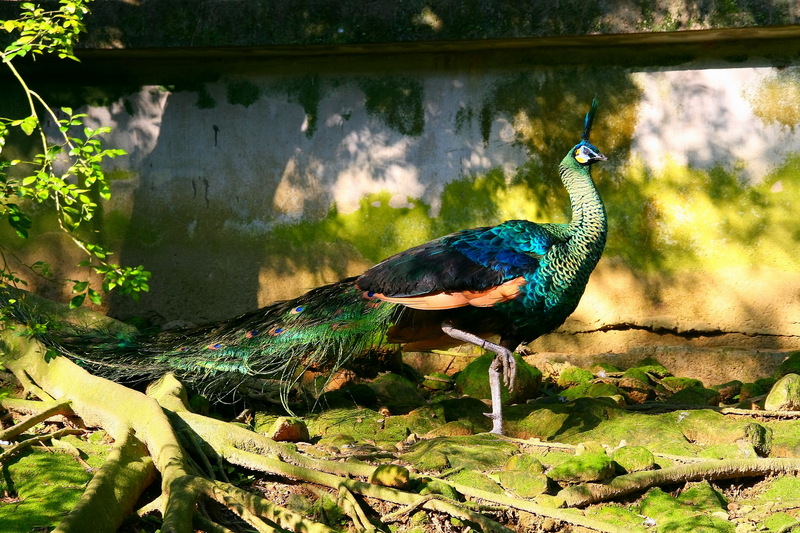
x=439 y=438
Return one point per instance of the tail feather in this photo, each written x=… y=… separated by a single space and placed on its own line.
x=321 y=329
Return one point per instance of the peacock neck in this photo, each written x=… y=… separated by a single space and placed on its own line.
x=588 y=226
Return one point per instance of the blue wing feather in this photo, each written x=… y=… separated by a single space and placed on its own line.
x=469 y=260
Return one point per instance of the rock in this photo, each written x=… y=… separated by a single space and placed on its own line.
x=636 y=385
x=589 y=446
x=695 y=396
x=790 y=365
x=474 y=380
x=590 y=390
x=728 y=391
x=757 y=388
x=438 y=381
x=523 y=484
x=686 y=513
x=476 y=480
x=391 y=476
x=435 y=486
x=396 y=392
x=476 y=452
x=785 y=394
x=602 y=369
x=288 y=429
x=573 y=375
x=456 y=428
x=634 y=459
x=676 y=384
x=524 y=462
x=583 y=468
x=652 y=366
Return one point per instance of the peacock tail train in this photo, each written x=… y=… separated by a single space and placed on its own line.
x=322 y=329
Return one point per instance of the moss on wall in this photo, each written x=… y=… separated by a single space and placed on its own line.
x=189 y=23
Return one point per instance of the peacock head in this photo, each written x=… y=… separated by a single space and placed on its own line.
x=584 y=152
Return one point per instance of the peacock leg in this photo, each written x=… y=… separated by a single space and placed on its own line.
x=503 y=362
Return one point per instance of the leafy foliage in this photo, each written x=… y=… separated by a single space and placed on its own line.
x=67 y=174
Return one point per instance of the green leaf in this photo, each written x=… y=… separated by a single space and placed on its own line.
x=80 y=286
x=77 y=301
x=29 y=124
x=95 y=297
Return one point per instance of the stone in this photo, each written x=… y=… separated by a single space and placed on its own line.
x=524 y=462
x=438 y=381
x=573 y=375
x=583 y=468
x=289 y=429
x=634 y=459
x=396 y=392
x=523 y=484
x=728 y=391
x=388 y=475
x=784 y=395
x=474 y=380
x=695 y=396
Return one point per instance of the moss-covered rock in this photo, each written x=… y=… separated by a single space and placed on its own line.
x=698 y=509
x=47 y=485
x=695 y=396
x=477 y=452
x=652 y=366
x=602 y=369
x=558 y=420
x=396 y=392
x=438 y=381
x=474 y=380
x=391 y=476
x=456 y=428
x=525 y=463
x=790 y=365
x=435 y=486
x=728 y=391
x=573 y=375
x=785 y=394
x=633 y=459
x=590 y=390
x=779 y=522
x=636 y=385
x=476 y=480
x=676 y=384
x=757 y=388
x=583 y=468
x=289 y=429
x=523 y=484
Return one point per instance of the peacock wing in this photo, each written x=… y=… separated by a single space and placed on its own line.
x=479 y=267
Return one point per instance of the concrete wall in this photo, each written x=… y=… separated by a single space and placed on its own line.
x=254 y=176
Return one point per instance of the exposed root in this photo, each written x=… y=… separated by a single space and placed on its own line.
x=56 y=408
x=38 y=439
x=587 y=493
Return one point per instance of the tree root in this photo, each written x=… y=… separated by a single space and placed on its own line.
x=110 y=495
x=587 y=493
x=57 y=408
x=15 y=449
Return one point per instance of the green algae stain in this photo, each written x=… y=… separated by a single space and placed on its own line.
x=777 y=99
x=397 y=101
x=242 y=93
x=683 y=218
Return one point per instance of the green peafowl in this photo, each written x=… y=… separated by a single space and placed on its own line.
x=516 y=281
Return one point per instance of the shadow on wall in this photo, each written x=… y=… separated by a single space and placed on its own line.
x=239 y=204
